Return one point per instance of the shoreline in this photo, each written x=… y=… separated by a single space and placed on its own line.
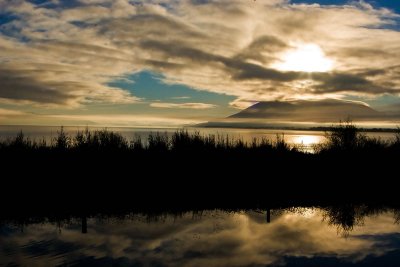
x=279 y=128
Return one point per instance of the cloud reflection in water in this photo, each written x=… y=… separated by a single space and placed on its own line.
x=214 y=238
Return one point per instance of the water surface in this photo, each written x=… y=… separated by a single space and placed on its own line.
x=294 y=237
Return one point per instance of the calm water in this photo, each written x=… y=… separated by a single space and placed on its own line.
x=303 y=139
x=299 y=237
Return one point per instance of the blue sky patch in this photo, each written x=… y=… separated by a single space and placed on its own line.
x=149 y=86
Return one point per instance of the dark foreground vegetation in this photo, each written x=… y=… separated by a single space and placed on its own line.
x=103 y=170
x=344 y=217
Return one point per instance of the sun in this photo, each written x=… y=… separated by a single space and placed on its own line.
x=306 y=58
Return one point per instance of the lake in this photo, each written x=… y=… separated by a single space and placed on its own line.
x=303 y=139
x=330 y=236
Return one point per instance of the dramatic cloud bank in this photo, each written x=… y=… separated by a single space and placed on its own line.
x=68 y=52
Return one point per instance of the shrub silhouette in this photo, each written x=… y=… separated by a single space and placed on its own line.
x=396 y=141
x=343 y=138
x=158 y=142
x=100 y=140
x=20 y=142
x=347 y=138
x=62 y=141
x=182 y=140
x=137 y=144
x=83 y=140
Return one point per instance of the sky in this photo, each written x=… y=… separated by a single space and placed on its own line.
x=172 y=63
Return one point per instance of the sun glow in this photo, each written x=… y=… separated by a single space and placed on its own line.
x=307 y=140
x=307 y=58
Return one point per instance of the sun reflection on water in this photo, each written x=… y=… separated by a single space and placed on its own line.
x=307 y=140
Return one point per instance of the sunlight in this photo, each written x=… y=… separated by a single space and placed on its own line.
x=307 y=58
x=307 y=140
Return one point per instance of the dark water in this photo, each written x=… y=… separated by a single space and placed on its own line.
x=292 y=237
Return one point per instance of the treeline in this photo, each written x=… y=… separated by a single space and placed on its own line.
x=109 y=141
x=189 y=170
x=345 y=137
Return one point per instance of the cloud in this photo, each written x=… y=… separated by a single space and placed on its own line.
x=180 y=97
x=9 y=112
x=182 y=105
x=15 y=117
x=118 y=120
x=23 y=85
x=67 y=54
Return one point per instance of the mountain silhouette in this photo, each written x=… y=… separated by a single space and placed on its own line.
x=309 y=111
x=299 y=112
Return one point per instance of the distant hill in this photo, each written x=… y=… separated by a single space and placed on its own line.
x=309 y=111
x=299 y=114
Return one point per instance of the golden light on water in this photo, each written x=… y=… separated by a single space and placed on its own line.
x=307 y=58
x=309 y=213
x=307 y=140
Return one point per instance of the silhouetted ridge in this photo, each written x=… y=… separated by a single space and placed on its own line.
x=306 y=110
